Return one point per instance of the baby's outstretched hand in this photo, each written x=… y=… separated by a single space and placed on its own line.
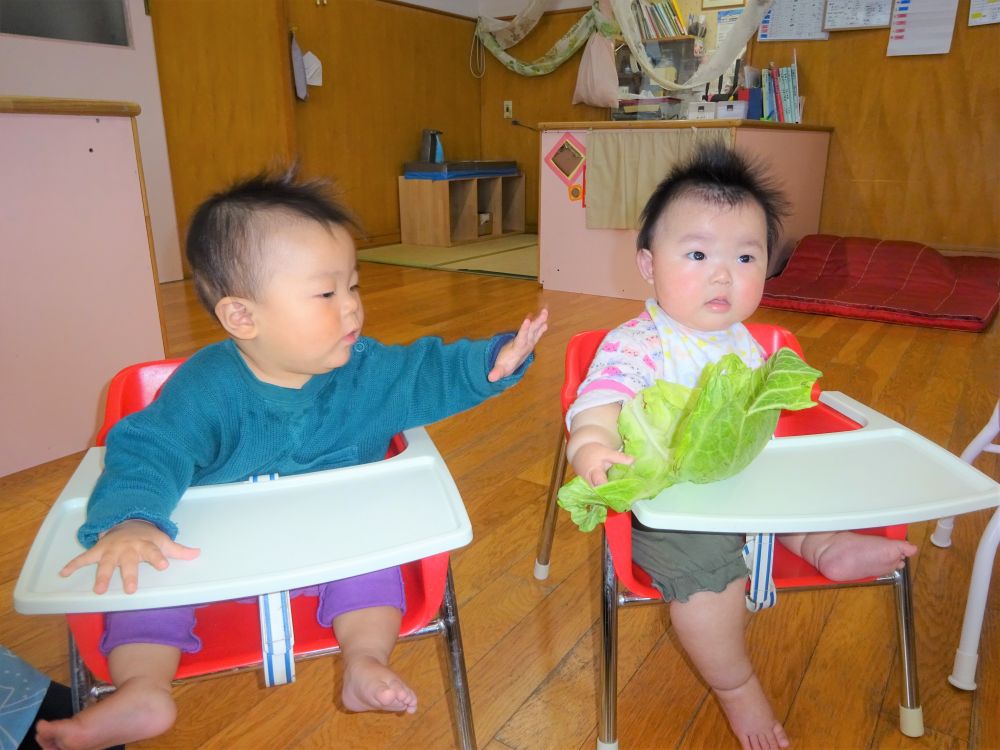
x=124 y=547
x=593 y=460
x=515 y=351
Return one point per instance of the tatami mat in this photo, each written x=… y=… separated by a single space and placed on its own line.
x=513 y=255
x=520 y=262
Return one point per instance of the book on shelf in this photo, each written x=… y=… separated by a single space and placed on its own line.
x=681 y=24
x=780 y=93
x=795 y=87
x=665 y=14
x=675 y=22
x=779 y=110
x=642 y=21
x=658 y=19
x=766 y=100
x=785 y=83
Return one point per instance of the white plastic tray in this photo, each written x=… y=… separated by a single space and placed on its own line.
x=259 y=538
x=879 y=475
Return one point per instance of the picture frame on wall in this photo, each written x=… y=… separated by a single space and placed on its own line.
x=721 y=4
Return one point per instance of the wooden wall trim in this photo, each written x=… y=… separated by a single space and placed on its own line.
x=44 y=105
x=436 y=11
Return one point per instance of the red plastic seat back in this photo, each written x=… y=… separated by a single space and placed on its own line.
x=230 y=631
x=133 y=389
x=789 y=570
x=580 y=352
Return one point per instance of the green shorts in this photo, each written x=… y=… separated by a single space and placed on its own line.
x=682 y=563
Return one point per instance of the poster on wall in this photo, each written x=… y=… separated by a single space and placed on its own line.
x=793 y=19
x=857 y=14
x=725 y=23
x=982 y=12
x=921 y=27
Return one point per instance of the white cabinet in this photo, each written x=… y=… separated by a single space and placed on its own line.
x=78 y=300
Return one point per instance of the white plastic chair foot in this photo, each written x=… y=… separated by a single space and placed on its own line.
x=541 y=571
x=942 y=532
x=607 y=745
x=963 y=674
x=911 y=721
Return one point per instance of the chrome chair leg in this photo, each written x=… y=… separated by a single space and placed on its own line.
x=911 y=714
x=83 y=686
x=544 y=553
x=461 y=700
x=607 y=730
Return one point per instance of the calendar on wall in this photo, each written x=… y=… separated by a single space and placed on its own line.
x=793 y=19
x=857 y=14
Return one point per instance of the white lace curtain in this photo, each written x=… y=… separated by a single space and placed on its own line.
x=497 y=36
x=721 y=61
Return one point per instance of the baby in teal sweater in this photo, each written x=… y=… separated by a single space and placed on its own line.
x=294 y=388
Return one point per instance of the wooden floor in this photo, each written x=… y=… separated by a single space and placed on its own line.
x=828 y=658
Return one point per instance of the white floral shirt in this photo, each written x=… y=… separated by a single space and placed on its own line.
x=653 y=347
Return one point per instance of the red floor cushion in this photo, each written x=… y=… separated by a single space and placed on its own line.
x=887 y=280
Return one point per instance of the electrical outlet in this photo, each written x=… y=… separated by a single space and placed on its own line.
x=508 y=109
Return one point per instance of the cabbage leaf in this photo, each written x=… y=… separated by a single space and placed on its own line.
x=702 y=434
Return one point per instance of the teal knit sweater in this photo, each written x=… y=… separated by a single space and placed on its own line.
x=215 y=422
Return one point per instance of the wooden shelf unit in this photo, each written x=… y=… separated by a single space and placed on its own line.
x=447 y=212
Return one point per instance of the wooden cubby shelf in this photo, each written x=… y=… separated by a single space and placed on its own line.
x=461 y=209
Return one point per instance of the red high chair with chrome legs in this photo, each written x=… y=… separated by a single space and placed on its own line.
x=625 y=583
x=230 y=630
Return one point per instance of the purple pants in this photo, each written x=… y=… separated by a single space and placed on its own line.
x=174 y=626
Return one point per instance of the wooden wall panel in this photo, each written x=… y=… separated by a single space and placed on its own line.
x=226 y=91
x=537 y=99
x=389 y=71
x=913 y=154
x=915 y=140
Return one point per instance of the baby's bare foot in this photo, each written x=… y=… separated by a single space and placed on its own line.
x=131 y=713
x=370 y=685
x=751 y=717
x=850 y=556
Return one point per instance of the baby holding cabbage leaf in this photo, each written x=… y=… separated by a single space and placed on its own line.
x=703 y=245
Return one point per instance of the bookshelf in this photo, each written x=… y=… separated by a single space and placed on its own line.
x=675 y=56
x=459 y=210
x=670 y=48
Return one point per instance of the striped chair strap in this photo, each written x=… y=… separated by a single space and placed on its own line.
x=758 y=554
x=277 y=639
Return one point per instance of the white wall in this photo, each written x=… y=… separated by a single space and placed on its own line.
x=31 y=66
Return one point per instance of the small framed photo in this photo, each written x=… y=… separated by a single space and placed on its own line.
x=720 y=4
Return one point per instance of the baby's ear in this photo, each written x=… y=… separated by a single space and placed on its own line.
x=644 y=260
x=236 y=316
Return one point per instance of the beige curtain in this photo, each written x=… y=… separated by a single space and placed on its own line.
x=624 y=167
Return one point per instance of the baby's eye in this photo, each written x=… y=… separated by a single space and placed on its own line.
x=327 y=295
x=356 y=287
x=696 y=255
x=746 y=259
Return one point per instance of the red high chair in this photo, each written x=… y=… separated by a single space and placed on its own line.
x=230 y=630
x=624 y=583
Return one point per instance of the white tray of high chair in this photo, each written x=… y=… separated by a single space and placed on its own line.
x=263 y=537
x=879 y=475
